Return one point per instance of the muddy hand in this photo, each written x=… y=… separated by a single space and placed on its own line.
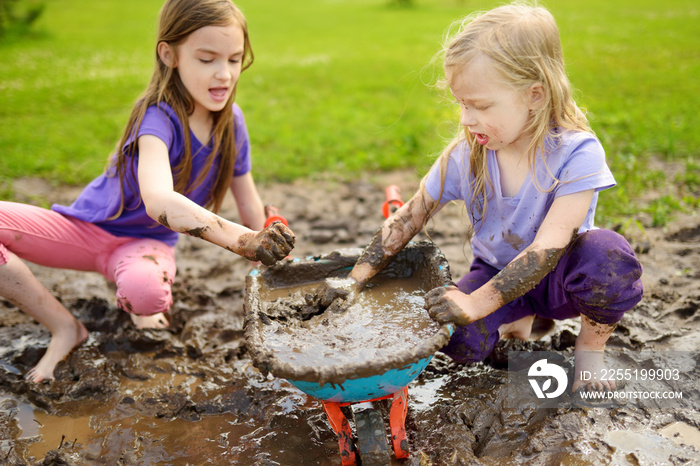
x=268 y=246
x=333 y=290
x=443 y=309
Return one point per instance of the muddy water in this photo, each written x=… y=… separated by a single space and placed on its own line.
x=385 y=318
x=158 y=421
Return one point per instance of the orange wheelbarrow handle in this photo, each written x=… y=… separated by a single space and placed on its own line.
x=393 y=200
x=272 y=215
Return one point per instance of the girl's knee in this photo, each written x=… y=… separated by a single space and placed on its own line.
x=607 y=257
x=604 y=276
x=144 y=288
x=145 y=299
x=143 y=272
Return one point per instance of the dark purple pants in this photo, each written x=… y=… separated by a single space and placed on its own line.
x=598 y=276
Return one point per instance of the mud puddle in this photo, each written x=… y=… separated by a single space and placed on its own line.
x=191 y=395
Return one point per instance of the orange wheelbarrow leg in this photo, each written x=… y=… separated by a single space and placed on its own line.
x=397 y=421
x=341 y=427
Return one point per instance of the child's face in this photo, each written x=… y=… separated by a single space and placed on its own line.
x=495 y=113
x=209 y=63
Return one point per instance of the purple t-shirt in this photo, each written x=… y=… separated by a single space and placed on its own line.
x=101 y=199
x=511 y=223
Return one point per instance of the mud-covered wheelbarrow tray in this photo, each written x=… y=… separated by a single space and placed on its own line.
x=355 y=381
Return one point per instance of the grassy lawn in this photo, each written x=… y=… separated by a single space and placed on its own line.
x=347 y=87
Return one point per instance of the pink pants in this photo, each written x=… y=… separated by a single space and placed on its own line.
x=142 y=269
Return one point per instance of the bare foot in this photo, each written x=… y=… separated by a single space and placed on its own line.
x=589 y=356
x=520 y=329
x=590 y=368
x=158 y=320
x=62 y=343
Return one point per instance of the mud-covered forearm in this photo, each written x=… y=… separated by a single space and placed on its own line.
x=373 y=259
x=184 y=216
x=396 y=232
x=525 y=272
x=267 y=245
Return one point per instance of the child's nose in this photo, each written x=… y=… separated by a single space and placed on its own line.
x=466 y=117
x=223 y=73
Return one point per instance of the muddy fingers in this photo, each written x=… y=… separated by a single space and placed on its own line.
x=443 y=309
x=269 y=245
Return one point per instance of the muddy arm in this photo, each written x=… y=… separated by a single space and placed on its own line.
x=394 y=234
x=175 y=211
x=523 y=273
x=390 y=239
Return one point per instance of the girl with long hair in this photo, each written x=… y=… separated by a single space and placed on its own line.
x=185 y=144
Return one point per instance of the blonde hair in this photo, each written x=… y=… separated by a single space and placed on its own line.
x=522 y=41
x=178 y=19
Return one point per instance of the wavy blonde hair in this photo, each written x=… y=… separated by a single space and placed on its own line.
x=523 y=43
x=178 y=19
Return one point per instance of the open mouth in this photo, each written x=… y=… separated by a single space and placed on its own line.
x=481 y=138
x=218 y=93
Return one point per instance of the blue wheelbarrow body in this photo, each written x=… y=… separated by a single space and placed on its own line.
x=364 y=388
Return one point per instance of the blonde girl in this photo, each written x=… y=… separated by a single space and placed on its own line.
x=529 y=170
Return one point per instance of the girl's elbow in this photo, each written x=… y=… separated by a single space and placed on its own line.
x=155 y=209
x=159 y=215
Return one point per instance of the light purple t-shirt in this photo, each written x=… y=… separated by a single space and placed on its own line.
x=101 y=199
x=511 y=223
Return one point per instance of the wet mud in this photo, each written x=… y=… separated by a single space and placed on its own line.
x=378 y=321
x=383 y=328
x=191 y=394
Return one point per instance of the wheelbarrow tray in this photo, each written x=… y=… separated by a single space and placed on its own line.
x=353 y=381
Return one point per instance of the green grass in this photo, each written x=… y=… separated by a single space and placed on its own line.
x=346 y=87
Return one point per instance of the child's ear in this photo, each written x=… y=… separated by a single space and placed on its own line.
x=167 y=54
x=537 y=96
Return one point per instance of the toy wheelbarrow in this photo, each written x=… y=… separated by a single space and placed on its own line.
x=343 y=375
